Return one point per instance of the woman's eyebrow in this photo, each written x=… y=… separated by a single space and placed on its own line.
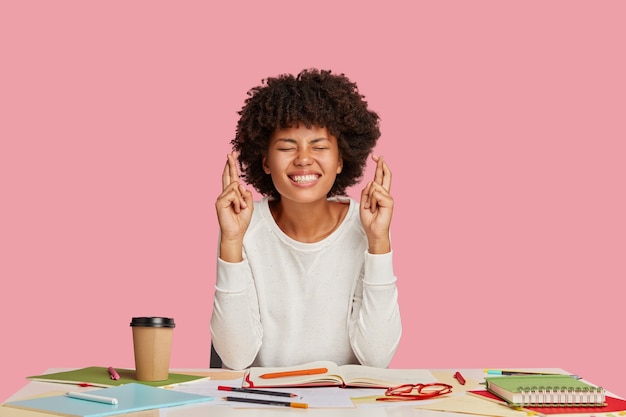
x=317 y=140
x=291 y=140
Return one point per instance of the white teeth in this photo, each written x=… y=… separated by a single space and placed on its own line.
x=301 y=179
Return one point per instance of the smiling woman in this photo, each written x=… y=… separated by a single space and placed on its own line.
x=306 y=273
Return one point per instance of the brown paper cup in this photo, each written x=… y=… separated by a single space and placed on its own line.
x=152 y=344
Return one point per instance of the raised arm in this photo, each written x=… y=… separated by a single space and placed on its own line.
x=235 y=324
x=375 y=326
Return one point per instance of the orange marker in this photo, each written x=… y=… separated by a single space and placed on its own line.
x=300 y=372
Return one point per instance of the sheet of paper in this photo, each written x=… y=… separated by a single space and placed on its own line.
x=318 y=397
x=468 y=404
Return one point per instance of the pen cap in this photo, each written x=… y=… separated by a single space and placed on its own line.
x=152 y=322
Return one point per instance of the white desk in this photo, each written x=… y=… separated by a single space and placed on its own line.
x=392 y=409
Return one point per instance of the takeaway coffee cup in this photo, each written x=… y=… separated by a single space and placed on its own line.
x=152 y=343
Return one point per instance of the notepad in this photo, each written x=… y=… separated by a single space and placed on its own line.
x=546 y=391
x=342 y=376
x=131 y=397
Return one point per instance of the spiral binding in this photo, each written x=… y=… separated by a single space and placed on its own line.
x=555 y=396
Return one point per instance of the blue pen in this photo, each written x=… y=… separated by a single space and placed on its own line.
x=505 y=372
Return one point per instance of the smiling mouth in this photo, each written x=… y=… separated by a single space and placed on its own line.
x=304 y=179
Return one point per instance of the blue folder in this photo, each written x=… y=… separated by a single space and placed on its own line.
x=130 y=397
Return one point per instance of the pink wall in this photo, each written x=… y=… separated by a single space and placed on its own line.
x=504 y=124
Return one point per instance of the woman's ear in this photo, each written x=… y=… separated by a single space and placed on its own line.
x=266 y=166
x=339 y=165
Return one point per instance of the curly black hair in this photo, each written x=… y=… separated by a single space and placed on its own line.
x=314 y=98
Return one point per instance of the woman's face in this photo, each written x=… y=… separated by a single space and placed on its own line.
x=303 y=162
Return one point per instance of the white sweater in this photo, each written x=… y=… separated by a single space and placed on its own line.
x=290 y=302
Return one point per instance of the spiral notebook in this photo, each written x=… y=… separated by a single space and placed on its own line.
x=546 y=391
x=613 y=405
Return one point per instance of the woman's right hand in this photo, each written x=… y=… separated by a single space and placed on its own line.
x=234 y=210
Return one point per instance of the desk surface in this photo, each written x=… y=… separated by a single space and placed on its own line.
x=473 y=376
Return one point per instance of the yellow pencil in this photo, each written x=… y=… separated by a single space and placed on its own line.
x=267 y=402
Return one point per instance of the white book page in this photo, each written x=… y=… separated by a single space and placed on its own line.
x=360 y=374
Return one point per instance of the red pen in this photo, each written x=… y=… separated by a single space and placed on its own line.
x=256 y=391
x=459 y=378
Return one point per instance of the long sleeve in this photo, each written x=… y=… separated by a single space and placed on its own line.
x=236 y=330
x=291 y=302
x=374 y=325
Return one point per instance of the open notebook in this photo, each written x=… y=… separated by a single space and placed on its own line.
x=325 y=373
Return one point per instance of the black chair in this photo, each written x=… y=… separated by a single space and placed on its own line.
x=215 y=360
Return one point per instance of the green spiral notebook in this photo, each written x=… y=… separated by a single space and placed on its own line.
x=546 y=391
x=130 y=398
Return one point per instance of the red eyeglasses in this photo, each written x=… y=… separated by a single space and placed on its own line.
x=410 y=392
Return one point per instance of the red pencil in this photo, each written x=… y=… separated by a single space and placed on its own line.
x=256 y=391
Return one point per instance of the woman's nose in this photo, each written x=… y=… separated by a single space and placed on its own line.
x=303 y=158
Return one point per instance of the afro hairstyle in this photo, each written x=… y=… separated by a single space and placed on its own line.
x=313 y=98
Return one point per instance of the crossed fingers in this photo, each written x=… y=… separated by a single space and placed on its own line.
x=376 y=192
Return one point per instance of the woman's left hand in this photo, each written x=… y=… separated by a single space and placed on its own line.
x=377 y=207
